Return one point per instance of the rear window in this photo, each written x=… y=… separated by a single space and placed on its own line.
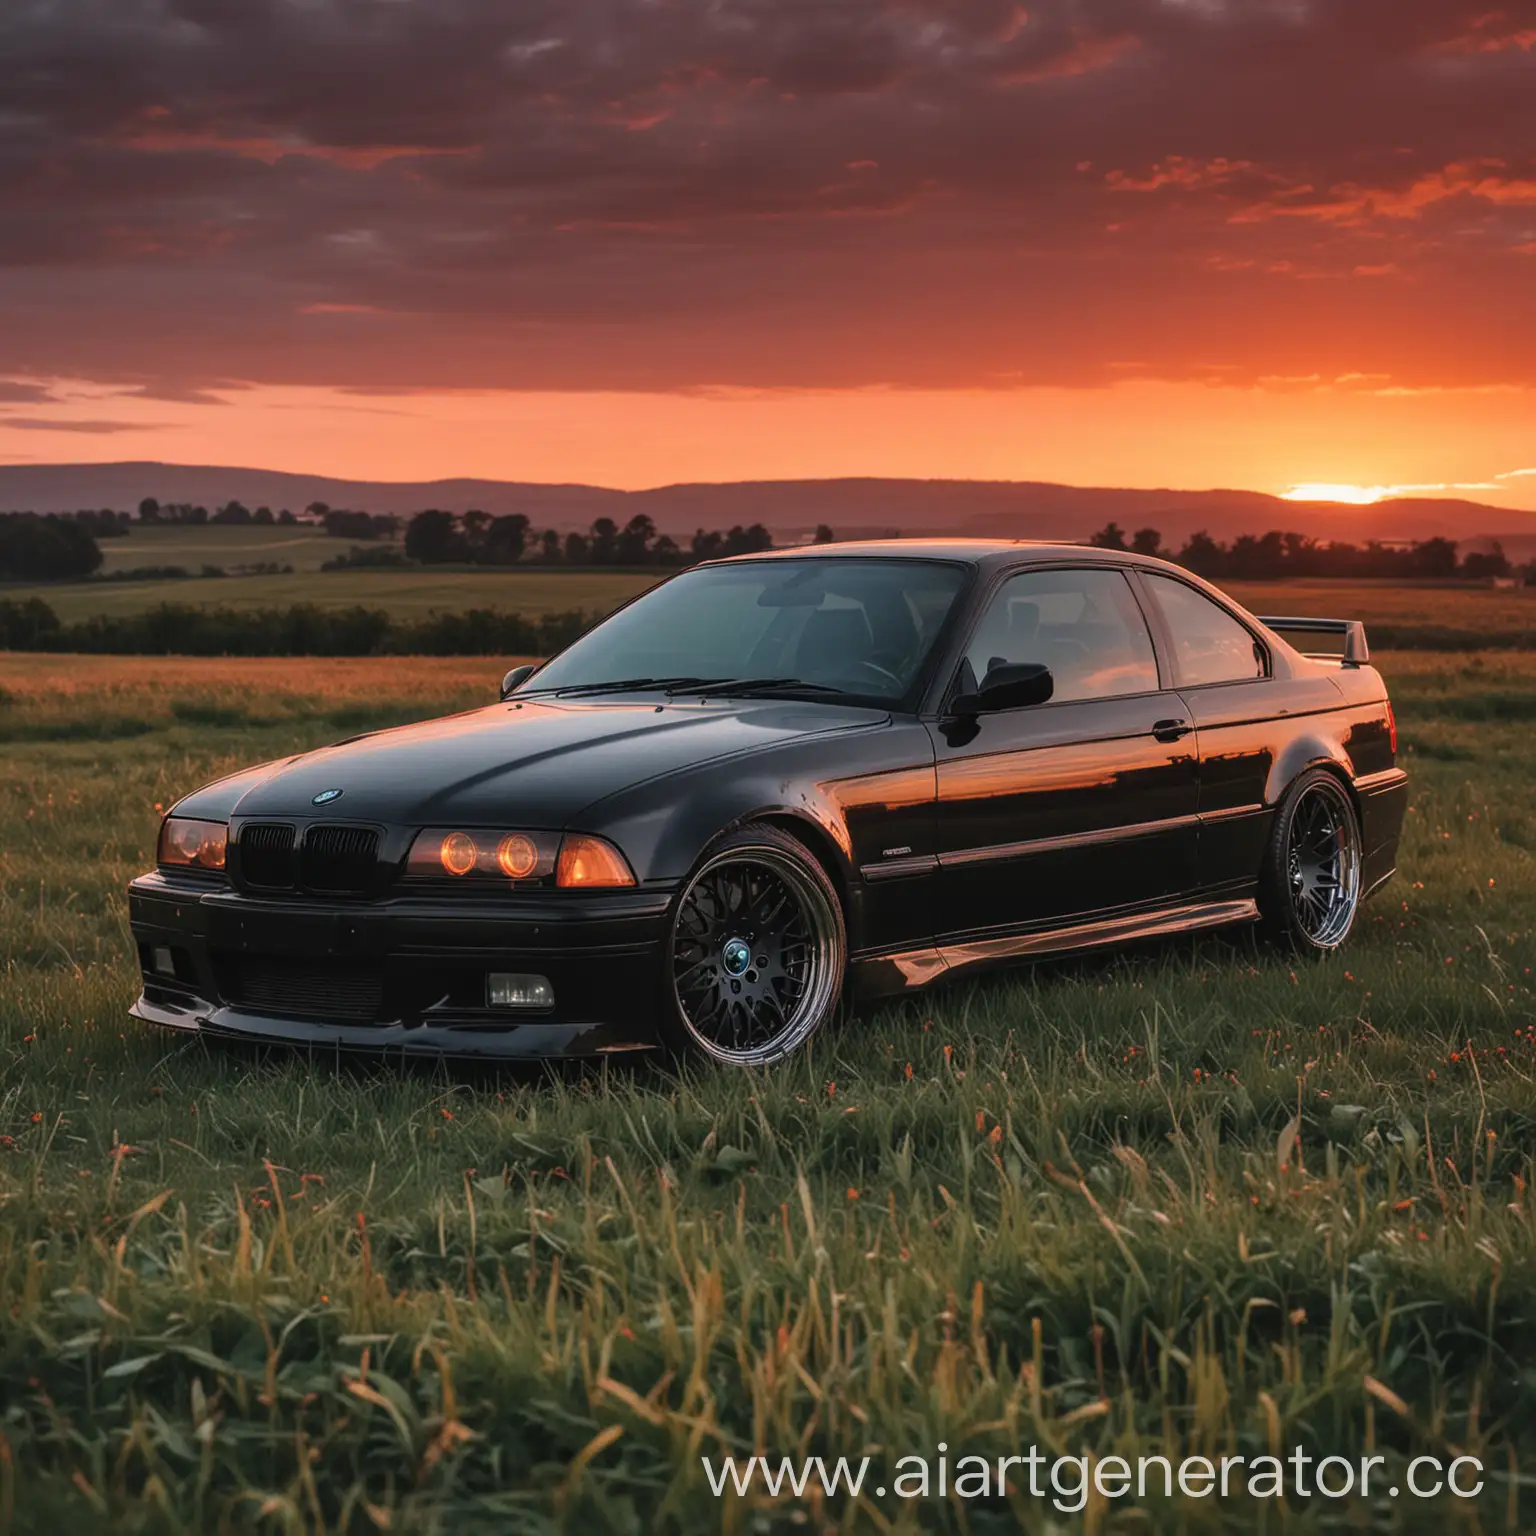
x=1209 y=645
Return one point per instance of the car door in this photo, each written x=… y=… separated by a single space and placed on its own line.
x=1232 y=696
x=1085 y=803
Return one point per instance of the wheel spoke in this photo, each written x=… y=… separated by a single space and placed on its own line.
x=751 y=963
x=1322 y=865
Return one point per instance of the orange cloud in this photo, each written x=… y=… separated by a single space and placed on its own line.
x=1491 y=33
x=1350 y=203
x=352 y=157
x=1179 y=171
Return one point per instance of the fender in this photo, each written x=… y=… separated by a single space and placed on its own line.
x=1311 y=749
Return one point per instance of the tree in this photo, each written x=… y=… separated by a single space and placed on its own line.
x=705 y=544
x=286 y=518
x=823 y=535
x=603 y=541
x=263 y=515
x=665 y=551
x=506 y=538
x=1483 y=565
x=1203 y=555
x=1110 y=536
x=232 y=512
x=317 y=509
x=1433 y=558
x=634 y=540
x=475 y=523
x=431 y=537
x=575 y=549
x=549 y=545
x=36 y=548
x=149 y=510
x=1147 y=541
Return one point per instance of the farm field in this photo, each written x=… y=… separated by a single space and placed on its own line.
x=1387 y=605
x=1503 y=616
x=302 y=546
x=1191 y=1199
x=406 y=594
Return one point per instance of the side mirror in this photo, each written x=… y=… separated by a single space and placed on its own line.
x=515 y=676
x=1012 y=686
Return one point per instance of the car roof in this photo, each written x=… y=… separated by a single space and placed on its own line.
x=979 y=552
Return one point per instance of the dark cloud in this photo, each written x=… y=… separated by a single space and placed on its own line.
x=668 y=193
x=19 y=392
x=90 y=428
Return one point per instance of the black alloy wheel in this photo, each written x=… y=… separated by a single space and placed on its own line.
x=1310 y=889
x=757 y=951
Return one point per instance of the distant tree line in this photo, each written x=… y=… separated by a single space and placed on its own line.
x=232 y=513
x=308 y=630
x=476 y=538
x=52 y=548
x=1275 y=556
x=304 y=629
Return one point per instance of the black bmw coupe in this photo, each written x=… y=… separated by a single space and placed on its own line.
x=774 y=781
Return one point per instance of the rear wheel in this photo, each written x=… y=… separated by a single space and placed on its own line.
x=1309 y=888
x=756 y=952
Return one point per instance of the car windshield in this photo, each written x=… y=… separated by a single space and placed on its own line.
x=823 y=627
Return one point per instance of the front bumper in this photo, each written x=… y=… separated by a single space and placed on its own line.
x=405 y=974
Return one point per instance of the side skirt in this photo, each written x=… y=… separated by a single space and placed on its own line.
x=889 y=975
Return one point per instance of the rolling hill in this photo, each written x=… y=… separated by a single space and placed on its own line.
x=1011 y=509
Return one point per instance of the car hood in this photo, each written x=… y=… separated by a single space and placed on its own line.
x=538 y=764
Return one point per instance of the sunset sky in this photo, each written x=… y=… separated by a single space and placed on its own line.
x=1259 y=243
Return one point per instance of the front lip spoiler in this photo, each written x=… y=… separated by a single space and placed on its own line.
x=512 y=1041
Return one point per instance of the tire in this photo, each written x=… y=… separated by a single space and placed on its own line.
x=756 y=952
x=1309 y=884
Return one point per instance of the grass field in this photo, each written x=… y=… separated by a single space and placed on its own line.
x=301 y=546
x=1386 y=605
x=407 y=594
x=1189 y=1199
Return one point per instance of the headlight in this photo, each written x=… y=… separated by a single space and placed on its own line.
x=188 y=844
x=480 y=854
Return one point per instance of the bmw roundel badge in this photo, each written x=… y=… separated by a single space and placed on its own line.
x=326 y=796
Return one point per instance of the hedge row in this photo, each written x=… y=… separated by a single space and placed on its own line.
x=301 y=630
x=180 y=629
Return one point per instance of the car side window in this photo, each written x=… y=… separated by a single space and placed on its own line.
x=1209 y=645
x=1086 y=626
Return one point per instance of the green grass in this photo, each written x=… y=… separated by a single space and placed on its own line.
x=407 y=594
x=302 y=547
x=1447 y=615
x=1190 y=1198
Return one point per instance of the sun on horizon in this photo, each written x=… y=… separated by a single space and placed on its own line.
x=1323 y=490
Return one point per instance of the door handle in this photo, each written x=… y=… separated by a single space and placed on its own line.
x=1171 y=730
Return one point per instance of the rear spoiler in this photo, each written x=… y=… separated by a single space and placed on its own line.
x=1334 y=639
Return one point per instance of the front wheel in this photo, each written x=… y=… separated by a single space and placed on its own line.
x=756 y=951
x=1309 y=888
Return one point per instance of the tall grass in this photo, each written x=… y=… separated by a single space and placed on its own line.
x=1193 y=1198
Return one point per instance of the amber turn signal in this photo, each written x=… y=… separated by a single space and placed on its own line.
x=589 y=861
